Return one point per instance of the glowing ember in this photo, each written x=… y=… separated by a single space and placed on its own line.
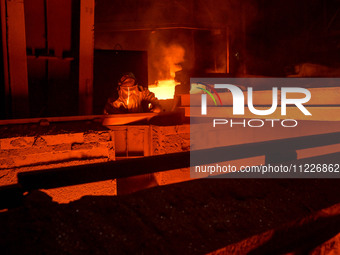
x=164 y=89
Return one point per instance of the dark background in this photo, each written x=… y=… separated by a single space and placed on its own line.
x=265 y=38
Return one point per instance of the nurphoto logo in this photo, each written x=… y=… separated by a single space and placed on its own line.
x=239 y=104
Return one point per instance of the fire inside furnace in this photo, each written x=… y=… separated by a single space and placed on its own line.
x=164 y=89
x=167 y=63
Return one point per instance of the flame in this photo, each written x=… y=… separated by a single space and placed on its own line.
x=168 y=63
x=163 y=89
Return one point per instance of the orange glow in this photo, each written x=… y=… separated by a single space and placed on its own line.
x=163 y=89
x=172 y=56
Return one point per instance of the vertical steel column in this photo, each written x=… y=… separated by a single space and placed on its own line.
x=17 y=59
x=86 y=47
x=5 y=56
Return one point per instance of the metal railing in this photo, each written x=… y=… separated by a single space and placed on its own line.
x=12 y=195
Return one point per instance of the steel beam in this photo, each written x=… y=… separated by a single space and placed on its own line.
x=60 y=177
x=86 y=48
x=17 y=59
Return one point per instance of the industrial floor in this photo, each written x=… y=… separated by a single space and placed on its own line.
x=195 y=217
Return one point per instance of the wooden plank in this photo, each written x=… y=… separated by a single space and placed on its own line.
x=86 y=48
x=16 y=38
x=50 y=119
x=122 y=119
x=107 y=119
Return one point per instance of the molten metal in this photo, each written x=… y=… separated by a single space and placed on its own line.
x=163 y=89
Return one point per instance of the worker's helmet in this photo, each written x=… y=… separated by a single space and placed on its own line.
x=127 y=80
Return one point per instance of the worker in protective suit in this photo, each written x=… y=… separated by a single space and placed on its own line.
x=132 y=98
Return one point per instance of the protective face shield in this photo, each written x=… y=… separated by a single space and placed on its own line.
x=127 y=80
x=130 y=97
x=125 y=92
